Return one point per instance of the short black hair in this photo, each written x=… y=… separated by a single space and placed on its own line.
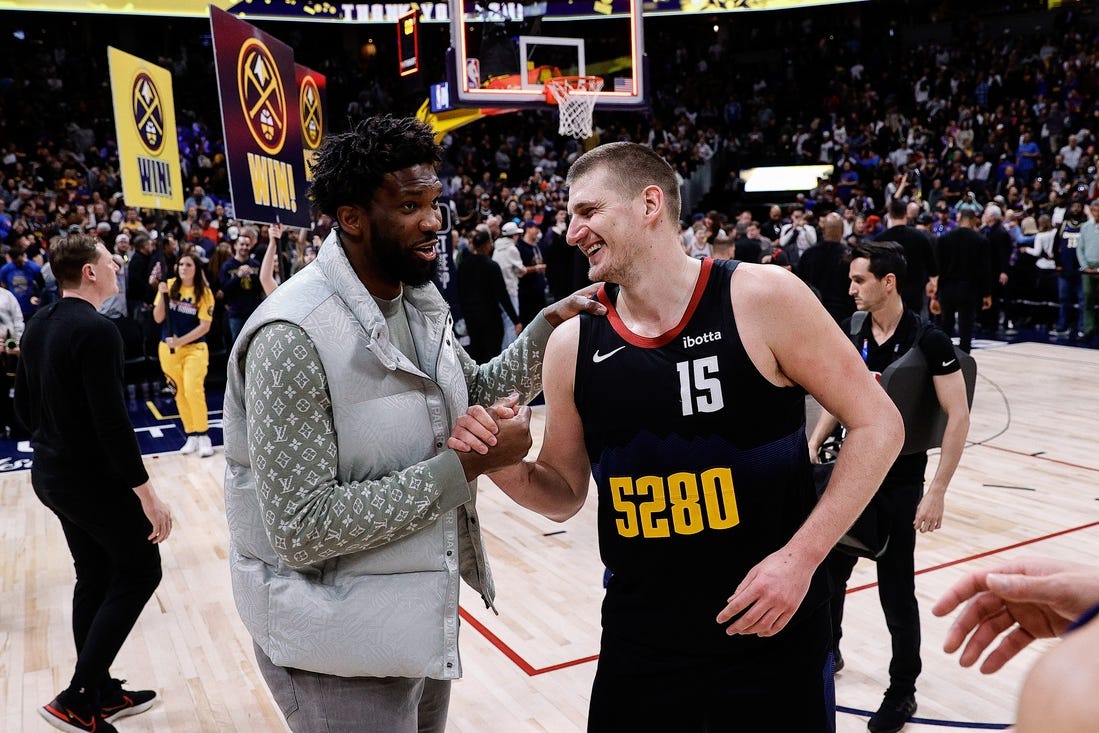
x=350 y=166
x=481 y=238
x=898 y=209
x=885 y=258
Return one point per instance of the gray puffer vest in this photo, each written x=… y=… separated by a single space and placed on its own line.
x=389 y=611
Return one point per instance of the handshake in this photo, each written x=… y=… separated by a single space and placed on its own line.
x=487 y=439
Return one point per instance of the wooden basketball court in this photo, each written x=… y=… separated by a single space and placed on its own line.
x=1027 y=485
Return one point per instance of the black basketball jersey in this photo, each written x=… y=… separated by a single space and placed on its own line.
x=701 y=465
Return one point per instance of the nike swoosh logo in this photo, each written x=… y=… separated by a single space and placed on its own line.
x=597 y=357
x=948 y=363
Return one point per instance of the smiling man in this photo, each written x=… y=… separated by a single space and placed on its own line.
x=350 y=520
x=687 y=405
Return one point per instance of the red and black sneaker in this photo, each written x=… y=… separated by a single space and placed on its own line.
x=114 y=702
x=74 y=720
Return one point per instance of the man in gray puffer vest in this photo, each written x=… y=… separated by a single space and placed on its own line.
x=350 y=519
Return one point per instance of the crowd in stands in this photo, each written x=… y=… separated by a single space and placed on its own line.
x=969 y=118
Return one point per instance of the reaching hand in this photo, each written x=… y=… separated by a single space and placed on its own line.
x=573 y=305
x=1029 y=599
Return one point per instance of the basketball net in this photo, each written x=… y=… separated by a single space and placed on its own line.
x=575 y=97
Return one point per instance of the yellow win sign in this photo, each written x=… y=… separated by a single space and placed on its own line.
x=145 y=124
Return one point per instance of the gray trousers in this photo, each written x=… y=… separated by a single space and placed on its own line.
x=323 y=703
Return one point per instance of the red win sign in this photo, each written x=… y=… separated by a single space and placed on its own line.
x=259 y=114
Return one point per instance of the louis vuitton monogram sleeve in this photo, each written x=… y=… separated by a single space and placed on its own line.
x=308 y=514
x=517 y=369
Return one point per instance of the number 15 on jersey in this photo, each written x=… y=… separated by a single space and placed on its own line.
x=699 y=387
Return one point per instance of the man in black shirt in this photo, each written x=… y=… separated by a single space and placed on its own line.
x=823 y=267
x=965 y=279
x=752 y=246
x=239 y=278
x=922 y=267
x=142 y=277
x=1000 y=249
x=88 y=471
x=482 y=293
x=877 y=272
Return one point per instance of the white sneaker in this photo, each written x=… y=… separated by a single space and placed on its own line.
x=190 y=446
x=205 y=450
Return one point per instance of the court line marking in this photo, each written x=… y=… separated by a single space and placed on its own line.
x=532 y=671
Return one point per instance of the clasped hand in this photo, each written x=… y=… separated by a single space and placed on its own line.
x=490 y=438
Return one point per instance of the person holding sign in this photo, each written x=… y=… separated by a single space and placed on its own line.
x=185 y=307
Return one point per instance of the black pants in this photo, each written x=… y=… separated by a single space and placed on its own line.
x=959 y=304
x=117 y=570
x=7 y=411
x=785 y=686
x=896 y=585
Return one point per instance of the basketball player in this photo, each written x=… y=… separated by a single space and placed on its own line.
x=687 y=405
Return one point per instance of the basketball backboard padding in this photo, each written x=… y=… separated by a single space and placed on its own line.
x=501 y=55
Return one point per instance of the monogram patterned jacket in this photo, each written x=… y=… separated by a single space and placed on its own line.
x=350 y=520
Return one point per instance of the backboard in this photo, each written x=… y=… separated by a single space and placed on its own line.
x=502 y=53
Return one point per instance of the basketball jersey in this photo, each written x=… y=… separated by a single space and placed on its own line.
x=184 y=313
x=701 y=465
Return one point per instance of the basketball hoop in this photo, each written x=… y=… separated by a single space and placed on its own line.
x=575 y=96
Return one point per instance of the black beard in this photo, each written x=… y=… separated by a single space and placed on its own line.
x=403 y=265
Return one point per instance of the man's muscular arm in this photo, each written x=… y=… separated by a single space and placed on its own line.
x=556 y=483
x=792 y=340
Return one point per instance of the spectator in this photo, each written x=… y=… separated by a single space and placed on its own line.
x=483 y=295
x=19 y=278
x=506 y=255
x=199 y=200
x=11 y=329
x=922 y=271
x=965 y=282
x=824 y=268
x=532 y=283
x=240 y=284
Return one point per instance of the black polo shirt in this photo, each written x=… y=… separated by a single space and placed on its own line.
x=937 y=349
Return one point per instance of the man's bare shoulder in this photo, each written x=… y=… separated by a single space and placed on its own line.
x=766 y=284
x=565 y=337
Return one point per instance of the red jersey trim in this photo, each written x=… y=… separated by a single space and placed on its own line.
x=655 y=342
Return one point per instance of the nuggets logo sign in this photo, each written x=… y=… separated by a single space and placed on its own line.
x=262 y=96
x=312 y=115
x=260 y=118
x=145 y=126
x=148 y=113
